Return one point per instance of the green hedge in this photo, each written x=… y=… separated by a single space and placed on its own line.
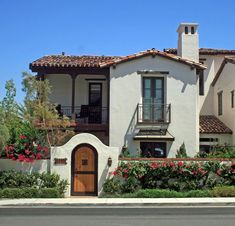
x=221 y=191
x=161 y=193
x=224 y=191
x=15 y=193
x=31 y=185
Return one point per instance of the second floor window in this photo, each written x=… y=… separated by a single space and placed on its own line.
x=232 y=99
x=201 y=83
x=220 y=103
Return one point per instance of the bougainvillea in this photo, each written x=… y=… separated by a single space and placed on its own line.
x=176 y=175
x=25 y=150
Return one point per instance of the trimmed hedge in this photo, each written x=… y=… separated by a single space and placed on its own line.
x=161 y=193
x=31 y=185
x=224 y=191
x=221 y=191
x=16 y=193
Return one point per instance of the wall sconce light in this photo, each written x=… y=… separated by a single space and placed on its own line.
x=110 y=161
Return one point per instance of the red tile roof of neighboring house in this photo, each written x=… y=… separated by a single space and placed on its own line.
x=153 y=52
x=104 y=61
x=230 y=59
x=211 y=124
x=71 y=61
x=205 y=51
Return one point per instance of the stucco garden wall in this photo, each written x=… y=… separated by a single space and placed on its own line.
x=181 y=92
x=65 y=151
x=39 y=166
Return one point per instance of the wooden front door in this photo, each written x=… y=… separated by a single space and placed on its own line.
x=84 y=170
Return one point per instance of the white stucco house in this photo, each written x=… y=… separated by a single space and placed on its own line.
x=150 y=102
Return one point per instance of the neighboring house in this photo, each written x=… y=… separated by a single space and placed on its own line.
x=148 y=102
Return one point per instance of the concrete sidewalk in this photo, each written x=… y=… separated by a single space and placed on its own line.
x=120 y=202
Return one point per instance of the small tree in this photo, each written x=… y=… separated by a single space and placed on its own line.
x=38 y=110
x=181 y=153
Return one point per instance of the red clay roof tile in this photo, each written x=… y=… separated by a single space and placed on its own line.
x=103 y=61
x=211 y=124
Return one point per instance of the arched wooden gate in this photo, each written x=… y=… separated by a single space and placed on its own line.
x=84 y=171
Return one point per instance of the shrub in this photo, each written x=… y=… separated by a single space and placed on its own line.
x=177 y=176
x=181 y=153
x=112 y=186
x=161 y=193
x=224 y=191
x=15 y=193
x=18 y=180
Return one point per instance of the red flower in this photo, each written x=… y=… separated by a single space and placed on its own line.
x=114 y=173
x=21 y=158
x=154 y=165
x=45 y=149
x=38 y=156
x=125 y=171
x=172 y=164
x=39 y=147
x=27 y=152
x=180 y=164
x=218 y=172
x=22 y=136
x=11 y=148
x=125 y=176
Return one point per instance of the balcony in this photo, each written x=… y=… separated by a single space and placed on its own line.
x=87 y=118
x=153 y=114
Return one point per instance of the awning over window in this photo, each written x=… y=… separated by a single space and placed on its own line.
x=161 y=134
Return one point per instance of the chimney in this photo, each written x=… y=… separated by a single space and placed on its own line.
x=188 y=44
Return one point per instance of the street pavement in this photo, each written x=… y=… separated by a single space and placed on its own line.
x=116 y=216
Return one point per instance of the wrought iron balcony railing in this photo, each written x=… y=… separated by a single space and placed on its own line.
x=86 y=114
x=153 y=113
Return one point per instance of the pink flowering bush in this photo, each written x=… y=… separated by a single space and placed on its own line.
x=25 y=149
x=174 y=175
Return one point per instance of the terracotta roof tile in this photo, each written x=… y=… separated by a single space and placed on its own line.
x=103 y=61
x=71 y=61
x=205 y=51
x=211 y=124
x=152 y=52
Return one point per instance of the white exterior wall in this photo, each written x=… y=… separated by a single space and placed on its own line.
x=103 y=151
x=226 y=83
x=39 y=166
x=181 y=93
x=206 y=101
x=62 y=89
x=222 y=138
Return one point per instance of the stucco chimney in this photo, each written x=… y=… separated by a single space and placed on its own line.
x=188 y=44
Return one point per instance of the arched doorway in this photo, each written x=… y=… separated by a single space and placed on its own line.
x=84 y=170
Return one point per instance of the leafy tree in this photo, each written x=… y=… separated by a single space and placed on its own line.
x=38 y=110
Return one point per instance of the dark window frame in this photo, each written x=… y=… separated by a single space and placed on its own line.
x=186 y=30
x=220 y=102
x=201 y=83
x=232 y=98
x=153 y=145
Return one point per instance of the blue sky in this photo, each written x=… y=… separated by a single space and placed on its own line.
x=30 y=29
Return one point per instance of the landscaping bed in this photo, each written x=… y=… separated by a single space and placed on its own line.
x=171 y=179
x=31 y=185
